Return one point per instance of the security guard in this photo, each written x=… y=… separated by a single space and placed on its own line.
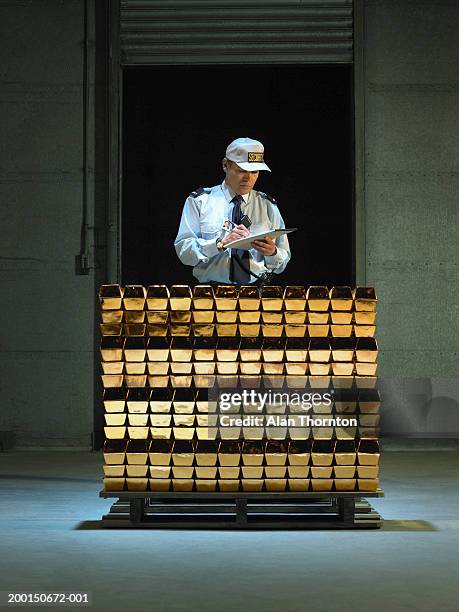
x=213 y=217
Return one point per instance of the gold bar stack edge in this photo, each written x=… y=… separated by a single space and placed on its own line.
x=163 y=347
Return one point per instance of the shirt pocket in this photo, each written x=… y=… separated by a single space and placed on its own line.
x=210 y=229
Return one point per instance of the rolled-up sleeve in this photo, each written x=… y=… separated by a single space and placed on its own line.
x=189 y=246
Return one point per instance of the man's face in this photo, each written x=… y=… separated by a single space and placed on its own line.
x=239 y=180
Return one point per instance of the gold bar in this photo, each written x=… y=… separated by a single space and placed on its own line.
x=135 y=380
x=344 y=471
x=296 y=382
x=110 y=297
x=252 y=471
x=319 y=350
x=138 y=433
x=157 y=484
x=114 y=484
x=272 y=297
x=252 y=452
x=272 y=329
x=182 y=484
x=369 y=401
x=249 y=329
x=296 y=369
x=182 y=471
x=180 y=316
x=226 y=329
x=184 y=420
x=364 y=331
x=160 y=420
x=112 y=367
x=111 y=329
x=250 y=381
x=206 y=454
x=204 y=367
x=345 y=452
x=227 y=349
x=135 y=349
x=180 y=297
x=134 y=329
x=321 y=471
x=203 y=297
x=227 y=380
x=184 y=401
x=158 y=381
x=204 y=348
x=368 y=452
x=295 y=317
x=276 y=452
x=114 y=399
x=134 y=297
x=160 y=471
x=273 y=349
x=114 y=451
x=366 y=369
x=322 y=452
x=229 y=472
x=365 y=382
x=137 y=471
x=203 y=316
x=276 y=484
x=249 y=298
x=366 y=350
x=318 y=331
x=158 y=348
x=181 y=349
x=277 y=471
x=249 y=316
x=250 y=349
x=298 y=471
x=112 y=316
x=228 y=485
x=112 y=380
x=318 y=318
x=158 y=368
x=319 y=382
x=368 y=484
x=114 y=471
x=342 y=368
x=341 y=331
x=159 y=329
x=368 y=471
x=229 y=453
x=229 y=433
x=200 y=329
x=341 y=318
x=271 y=317
x=181 y=367
x=161 y=433
x=298 y=484
x=205 y=485
x=295 y=297
x=364 y=318
x=161 y=397
x=157 y=316
x=294 y=330
x=345 y=484
x=226 y=297
x=157 y=297
x=115 y=433
x=227 y=367
x=206 y=433
x=183 y=452
x=318 y=298
x=341 y=298
x=319 y=369
x=115 y=419
x=226 y=316
x=161 y=452
x=365 y=299
x=134 y=316
x=296 y=349
x=252 y=484
x=204 y=381
x=273 y=368
x=321 y=484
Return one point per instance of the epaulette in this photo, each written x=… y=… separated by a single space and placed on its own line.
x=197 y=192
x=268 y=197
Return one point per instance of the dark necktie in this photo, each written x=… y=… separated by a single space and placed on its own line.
x=237 y=273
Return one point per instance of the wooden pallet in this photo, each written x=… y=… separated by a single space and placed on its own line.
x=215 y=510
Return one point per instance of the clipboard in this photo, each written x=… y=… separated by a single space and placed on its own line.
x=246 y=243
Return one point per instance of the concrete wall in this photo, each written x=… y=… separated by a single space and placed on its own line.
x=47 y=330
x=411 y=203
x=411 y=180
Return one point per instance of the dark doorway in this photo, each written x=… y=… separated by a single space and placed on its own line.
x=177 y=122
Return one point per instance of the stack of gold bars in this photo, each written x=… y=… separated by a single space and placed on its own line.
x=199 y=384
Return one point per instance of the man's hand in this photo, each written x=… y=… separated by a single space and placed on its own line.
x=240 y=231
x=267 y=246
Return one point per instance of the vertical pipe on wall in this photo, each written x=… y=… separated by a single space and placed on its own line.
x=114 y=174
x=359 y=140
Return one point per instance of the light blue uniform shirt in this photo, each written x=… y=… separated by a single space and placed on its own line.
x=201 y=225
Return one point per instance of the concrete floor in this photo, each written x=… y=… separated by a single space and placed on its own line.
x=412 y=564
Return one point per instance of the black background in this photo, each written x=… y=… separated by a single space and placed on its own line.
x=177 y=122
